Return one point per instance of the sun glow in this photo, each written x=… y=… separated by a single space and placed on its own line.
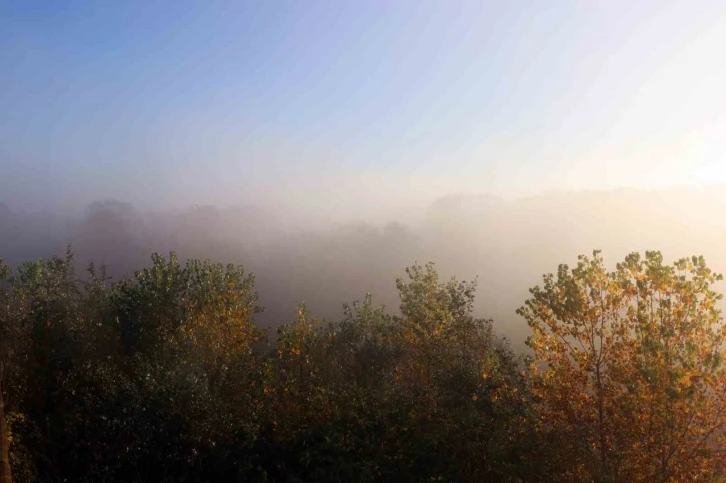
x=711 y=173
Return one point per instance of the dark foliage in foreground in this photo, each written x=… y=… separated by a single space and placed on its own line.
x=165 y=376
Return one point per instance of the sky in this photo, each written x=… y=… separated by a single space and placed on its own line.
x=338 y=105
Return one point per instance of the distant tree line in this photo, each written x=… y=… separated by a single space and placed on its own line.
x=165 y=376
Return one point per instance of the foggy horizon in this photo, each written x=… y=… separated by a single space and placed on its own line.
x=506 y=244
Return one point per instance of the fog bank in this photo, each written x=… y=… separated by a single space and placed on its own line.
x=323 y=262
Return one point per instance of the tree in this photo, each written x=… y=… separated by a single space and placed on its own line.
x=628 y=368
x=327 y=396
x=214 y=351
x=40 y=337
x=184 y=396
x=460 y=384
x=12 y=337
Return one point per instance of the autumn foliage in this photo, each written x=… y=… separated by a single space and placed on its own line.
x=165 y=376
x=628 y=369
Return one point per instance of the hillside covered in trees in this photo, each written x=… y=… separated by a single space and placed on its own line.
x=166 y=376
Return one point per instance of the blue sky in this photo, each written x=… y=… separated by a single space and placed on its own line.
x=161 y=103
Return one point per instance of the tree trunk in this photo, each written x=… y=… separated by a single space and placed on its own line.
x=5 y=476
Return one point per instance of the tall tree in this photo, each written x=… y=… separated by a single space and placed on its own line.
x=37 y=324
x=628 y=366
x=460 y=384
x=189 y=378
x=12 y=338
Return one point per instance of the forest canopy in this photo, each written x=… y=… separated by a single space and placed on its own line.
x=166 y=376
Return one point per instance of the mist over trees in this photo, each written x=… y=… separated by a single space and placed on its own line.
x=332 y=242
x=297 y=258
x=178 y=368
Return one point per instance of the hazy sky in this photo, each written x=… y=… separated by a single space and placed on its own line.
x=333 y=104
